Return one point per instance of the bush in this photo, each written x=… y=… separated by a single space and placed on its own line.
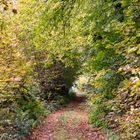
x=97 y=116
x=61 y=100
x=56 y=102
x=71 y=95
x=19 y=118
x=34 y=106
x=130 y=125
x=98 y=111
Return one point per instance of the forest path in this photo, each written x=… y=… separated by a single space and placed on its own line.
x=68 y=123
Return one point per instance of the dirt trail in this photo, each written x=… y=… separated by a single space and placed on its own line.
x=68 y=123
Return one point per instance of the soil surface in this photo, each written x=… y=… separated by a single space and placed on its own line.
x=68 y=123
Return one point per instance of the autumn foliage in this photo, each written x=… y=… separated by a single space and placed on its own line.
x=45 y=46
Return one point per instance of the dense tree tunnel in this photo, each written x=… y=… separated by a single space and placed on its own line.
x=46 y=46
